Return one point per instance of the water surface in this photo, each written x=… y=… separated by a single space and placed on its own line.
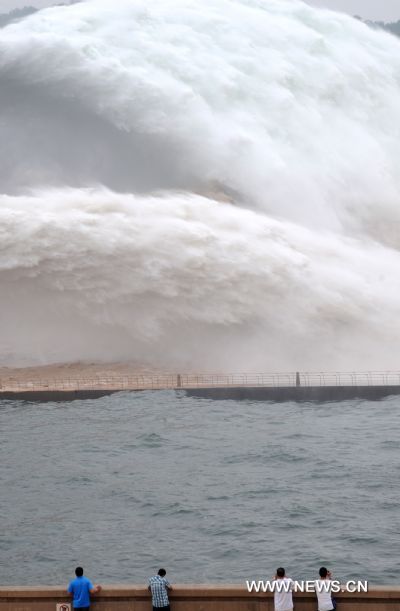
x=217 y=491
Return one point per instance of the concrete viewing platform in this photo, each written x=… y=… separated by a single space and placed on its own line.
x=191 y=598
x=275 y=387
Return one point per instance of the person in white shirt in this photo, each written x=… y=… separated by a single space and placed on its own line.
x=323 y=590
x=283 y=587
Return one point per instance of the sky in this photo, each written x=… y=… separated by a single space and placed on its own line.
x=384 y=10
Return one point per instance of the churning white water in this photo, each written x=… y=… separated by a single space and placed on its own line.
x=199 y=183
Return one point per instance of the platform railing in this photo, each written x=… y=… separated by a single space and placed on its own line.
x=201 y=380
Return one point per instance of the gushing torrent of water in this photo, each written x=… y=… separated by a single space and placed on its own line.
x=199 y=183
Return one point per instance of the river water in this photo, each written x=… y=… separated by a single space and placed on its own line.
x=215 y=491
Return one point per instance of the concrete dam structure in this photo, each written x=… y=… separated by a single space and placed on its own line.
x=274 y=387
x=191 y=598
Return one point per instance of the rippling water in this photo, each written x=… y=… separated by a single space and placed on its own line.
x=215 y=491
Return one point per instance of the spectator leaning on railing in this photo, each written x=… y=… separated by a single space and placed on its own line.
x=80 y=589
x=323 y=591
x=283 y=598
x=159 y=587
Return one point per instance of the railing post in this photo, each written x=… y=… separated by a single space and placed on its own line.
x=297 y=379
x=179 y=380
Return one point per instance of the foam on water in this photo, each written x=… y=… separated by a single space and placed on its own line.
x=125 y=125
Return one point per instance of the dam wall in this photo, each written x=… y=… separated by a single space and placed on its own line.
x=191 y=598
x=222 y=393
x=299 y=394
x=276 y=387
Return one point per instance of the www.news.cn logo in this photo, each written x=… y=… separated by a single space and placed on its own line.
x=333 y=586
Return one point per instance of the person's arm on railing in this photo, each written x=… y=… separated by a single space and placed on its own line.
x=95 y=589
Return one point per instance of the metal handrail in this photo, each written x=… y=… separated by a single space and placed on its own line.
x=196 y=380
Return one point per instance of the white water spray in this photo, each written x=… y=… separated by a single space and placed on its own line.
x=122 y=125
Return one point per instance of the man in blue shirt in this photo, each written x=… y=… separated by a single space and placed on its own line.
x=159 y=586
x=81 y=588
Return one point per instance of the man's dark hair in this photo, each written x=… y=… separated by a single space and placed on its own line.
x=79 y=571
x=162 y=572
x=323 y=571
x=280 y=572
